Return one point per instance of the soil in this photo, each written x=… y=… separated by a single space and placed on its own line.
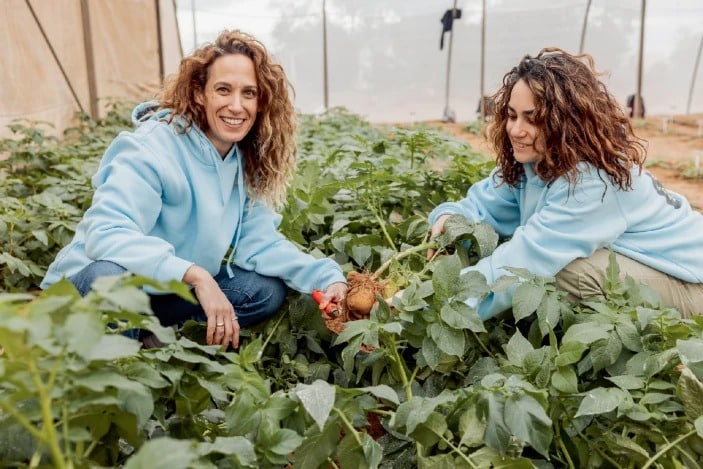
x=675 y=146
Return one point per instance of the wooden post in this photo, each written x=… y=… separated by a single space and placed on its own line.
x=159 y=41
x=56 y=57
x=89 y=60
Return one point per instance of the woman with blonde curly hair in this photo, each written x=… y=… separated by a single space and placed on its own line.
x=569 y=184
x=203 y=172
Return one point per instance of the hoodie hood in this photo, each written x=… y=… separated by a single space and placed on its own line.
x=148 y=111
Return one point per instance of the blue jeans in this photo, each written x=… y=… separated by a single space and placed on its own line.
x=254 y=296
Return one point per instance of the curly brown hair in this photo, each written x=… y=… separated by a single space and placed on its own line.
x=579 y=120
x=269 y=148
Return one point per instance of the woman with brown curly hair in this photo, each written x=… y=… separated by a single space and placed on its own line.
x=569 y=184
x=202 y=173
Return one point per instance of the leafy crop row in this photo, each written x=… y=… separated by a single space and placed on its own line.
x=611 y=382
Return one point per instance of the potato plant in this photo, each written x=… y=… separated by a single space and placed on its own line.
x=612 y=383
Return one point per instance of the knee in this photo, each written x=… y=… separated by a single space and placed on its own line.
x=273 y=293
x=580 y=279
x=84 y=279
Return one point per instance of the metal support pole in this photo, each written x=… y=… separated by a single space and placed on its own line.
x=637 y=105
x=195 y=34
x=693 y=78
x=325 y=83
x=482 y=102
x=448 y=113
x=583 y=27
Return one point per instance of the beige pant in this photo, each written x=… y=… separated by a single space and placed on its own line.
x=584 y=278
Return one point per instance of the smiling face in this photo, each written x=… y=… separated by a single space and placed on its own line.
x=230 y=100
x=525 y=136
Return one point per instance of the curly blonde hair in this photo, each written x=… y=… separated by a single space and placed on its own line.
x=269 y=148
x=579 y=120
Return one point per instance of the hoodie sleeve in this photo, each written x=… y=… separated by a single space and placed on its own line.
x=126 y=205
x=263 y=249
x=485 y=202
x=571 y=224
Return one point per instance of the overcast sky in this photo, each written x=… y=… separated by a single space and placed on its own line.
x=385 y=63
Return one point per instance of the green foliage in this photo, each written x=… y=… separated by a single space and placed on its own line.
x=609 y=382
x=45 y=190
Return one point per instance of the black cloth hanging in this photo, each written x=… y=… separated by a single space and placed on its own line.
x=447 y=22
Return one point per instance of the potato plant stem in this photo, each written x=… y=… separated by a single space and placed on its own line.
x=401 y=255
x=560 y=442
x=383 y=229
x=458 y=451
x=667 y=448
x=23 y=421
x=270 y=335
x=401 y=367
x=47 y=418
x=349 y=426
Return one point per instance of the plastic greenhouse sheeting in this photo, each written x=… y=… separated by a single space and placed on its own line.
x=385 y=63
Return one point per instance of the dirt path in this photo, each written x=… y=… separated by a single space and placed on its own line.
x=674 y=148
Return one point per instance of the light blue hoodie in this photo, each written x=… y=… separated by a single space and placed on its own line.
x=164 y=201
x=552 y=225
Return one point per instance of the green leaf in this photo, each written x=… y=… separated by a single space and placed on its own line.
x=317 y=399
x=528 y=421
x=83 y=332
x=444 y=279
x=317 y=447
x=461 y=316
x=429 y=432
x=431 y=353
x=41 y=236
x=145 y=374
x=497 y=433
x=627 y=382
x=416 y=410
x=600 y=401
x=449 y=341
x=112 y=347
x=382 y=391
x=137 y=401
x=565 y=380
x=366 y=455
x=691 y=352
x=548 y=313
x=526 y=299
x=243 y=416
x=237 y=447
x=629 y=335
x=164 y=453
x=587 y=333
x=605 y=352
x=214 y=388
x=698 y=424
x=517 y=348
x=277 y=443
x=471 y=428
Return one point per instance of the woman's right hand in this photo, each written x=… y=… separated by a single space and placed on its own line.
x=436 y=230
x=222 y=324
